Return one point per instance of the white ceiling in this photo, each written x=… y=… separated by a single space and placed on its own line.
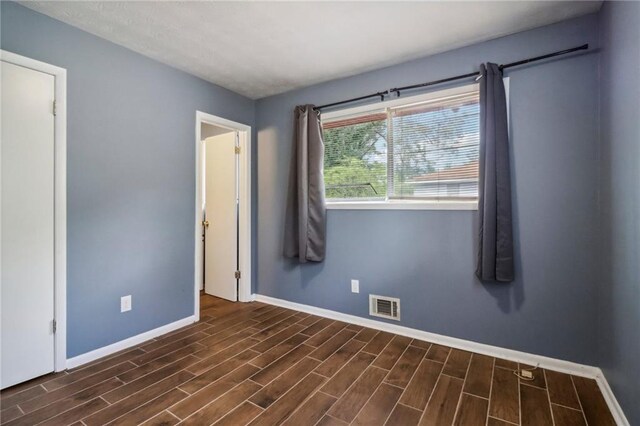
x=264 y=48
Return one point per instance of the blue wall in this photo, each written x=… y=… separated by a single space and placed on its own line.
x=427 y=258
x=619 y=322
x=131 y=154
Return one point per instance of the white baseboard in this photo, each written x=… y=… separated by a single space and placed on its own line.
x=562 y=366
x=612 y=401
x=85 y=358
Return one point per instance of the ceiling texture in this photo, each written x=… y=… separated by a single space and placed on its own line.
x=259 y=48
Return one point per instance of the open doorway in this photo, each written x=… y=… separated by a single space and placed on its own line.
x=223 y=210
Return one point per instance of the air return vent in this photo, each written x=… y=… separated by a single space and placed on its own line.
x=385 y=307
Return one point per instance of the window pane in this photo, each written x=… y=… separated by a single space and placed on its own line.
x=355 y=157
x=435 y=149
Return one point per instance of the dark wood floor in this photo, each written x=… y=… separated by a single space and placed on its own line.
x=264 y=365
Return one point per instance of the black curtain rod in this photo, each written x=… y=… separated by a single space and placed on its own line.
x=397 y=90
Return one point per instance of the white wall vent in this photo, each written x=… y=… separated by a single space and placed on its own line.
x=385 y=307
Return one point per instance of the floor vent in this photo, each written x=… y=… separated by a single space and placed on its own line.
x=385 y=307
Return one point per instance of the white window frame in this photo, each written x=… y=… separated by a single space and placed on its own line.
x=405 y=204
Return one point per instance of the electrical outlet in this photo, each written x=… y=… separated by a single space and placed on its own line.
x=355 y=286
x=125 y=303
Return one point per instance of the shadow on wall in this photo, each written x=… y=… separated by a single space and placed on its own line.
x=308 y=271
x=509 y=296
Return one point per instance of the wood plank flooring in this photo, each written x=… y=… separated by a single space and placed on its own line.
x=255 y=364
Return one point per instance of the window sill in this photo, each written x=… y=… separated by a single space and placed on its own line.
x=402 y=205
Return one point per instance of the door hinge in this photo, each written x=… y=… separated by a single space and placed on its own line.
x=54 y=324
x=55 y=109
x=237 y=150
x=238 y=275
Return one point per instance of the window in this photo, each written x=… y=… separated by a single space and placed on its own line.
x=420 y=151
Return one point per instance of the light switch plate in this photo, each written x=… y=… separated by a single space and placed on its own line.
x=355 y=286
x=125 y=303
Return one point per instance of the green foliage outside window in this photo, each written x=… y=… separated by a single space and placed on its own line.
x=355 y=161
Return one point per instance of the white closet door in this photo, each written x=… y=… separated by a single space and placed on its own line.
x=27 y=224
x=221 y=189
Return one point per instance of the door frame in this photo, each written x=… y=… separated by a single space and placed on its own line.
x=244 y=288
x=60 y=199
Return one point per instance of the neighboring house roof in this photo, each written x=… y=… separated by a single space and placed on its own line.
x=464 y=172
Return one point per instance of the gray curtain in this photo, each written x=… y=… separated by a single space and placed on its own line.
x=495 y=250
x=305 y=221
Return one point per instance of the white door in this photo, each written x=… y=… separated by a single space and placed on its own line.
x=221 y=207
x=27 y=224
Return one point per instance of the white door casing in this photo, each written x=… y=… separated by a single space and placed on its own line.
x=244 y=161
x=27 y=223
x=221 y=196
